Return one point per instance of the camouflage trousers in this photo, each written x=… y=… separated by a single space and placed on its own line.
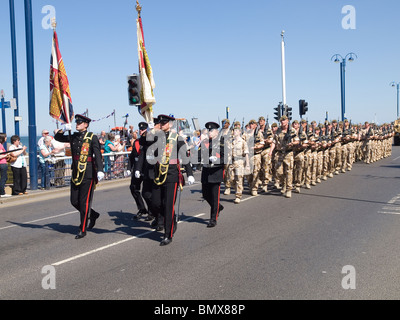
x=298 y=168
x=284 y=169
x=306 y=167
x=367 y=151
x=338 y=158
x=266 y=163
x=331 y=161
x=229 y=176
x=238 y=171
x=256 y=178
x=313 y=164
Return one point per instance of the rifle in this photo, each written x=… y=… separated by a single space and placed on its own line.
x=1 y=153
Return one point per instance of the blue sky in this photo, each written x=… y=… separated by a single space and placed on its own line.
x=207 y=55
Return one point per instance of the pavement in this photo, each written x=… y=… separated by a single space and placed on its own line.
x=42 y=194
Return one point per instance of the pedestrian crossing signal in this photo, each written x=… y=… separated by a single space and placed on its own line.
x=134 y=90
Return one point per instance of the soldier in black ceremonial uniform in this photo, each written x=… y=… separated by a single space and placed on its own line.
x=136 y=180
x=211 y=154
x=87 y=170
x=168 y=177
x=145 y=168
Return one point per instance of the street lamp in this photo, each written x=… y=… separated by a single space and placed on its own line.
x=394 y=84
x=338 y=58
x=3 y=110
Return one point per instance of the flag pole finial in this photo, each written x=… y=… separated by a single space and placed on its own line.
x=53 y=23
x=138 y=7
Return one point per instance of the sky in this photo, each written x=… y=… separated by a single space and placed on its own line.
x=209 y=55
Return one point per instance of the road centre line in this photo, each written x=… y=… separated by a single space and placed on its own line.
x=42 y=219
x=115 y=244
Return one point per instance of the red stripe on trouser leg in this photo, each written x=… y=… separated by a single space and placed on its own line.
x=87 y=206
x=219 y=191
x=173 y=212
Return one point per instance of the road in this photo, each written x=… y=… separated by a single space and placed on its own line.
x=266 y=248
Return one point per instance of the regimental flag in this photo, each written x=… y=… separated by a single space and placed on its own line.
x=146 y=76
x=60 y=97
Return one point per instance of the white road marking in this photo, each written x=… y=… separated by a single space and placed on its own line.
x=115 y=244
x=392 y=207
x=42 y=219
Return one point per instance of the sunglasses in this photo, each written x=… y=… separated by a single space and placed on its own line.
x=164 y=122
x=78 y=122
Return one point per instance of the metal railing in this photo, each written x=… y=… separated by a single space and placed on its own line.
x=58 y=171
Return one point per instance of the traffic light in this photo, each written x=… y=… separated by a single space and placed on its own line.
x=303 y=107
x=134 y=90
x=278 y=112
x=288 y=112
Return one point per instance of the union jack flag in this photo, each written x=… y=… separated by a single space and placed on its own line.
x=61 y=107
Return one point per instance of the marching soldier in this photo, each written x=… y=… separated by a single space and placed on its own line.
x=266 y=175
x=211 y=155
x=240 y=158
x=229 y=174
x=137 y=181
x=145 y=169
x=87 y=170
x=257 y=138
x=284 y=140
x=168 y=176
x=298 y=154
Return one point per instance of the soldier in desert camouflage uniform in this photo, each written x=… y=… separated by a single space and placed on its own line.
x=240 y=158
x=284 y=140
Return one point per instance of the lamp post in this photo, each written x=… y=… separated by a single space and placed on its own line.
x=31 y=96
x=283 y=64
x=3 y=111
x=394 y=84
x=338 y=58
x=14 y=66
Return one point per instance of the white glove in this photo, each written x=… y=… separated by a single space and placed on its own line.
x=213 y=159
x=128 y=173
x=137 y=174
x=100 y=176
x=66 y=127
x=190 y=180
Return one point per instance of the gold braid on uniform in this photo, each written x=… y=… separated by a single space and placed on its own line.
x=164 y=164
x=83 y=157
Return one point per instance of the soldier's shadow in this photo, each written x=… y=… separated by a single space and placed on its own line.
x=50 y=226
x=125 y=223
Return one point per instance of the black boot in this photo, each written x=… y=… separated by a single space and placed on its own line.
x=140 y=213
x=166 y=241
x=80 y=235
x=94 y=215
x=212 y=224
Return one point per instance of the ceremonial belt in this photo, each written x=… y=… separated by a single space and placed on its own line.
x=89 y=159
x=83 y=159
